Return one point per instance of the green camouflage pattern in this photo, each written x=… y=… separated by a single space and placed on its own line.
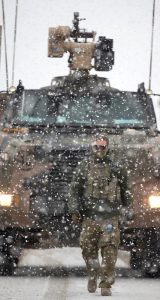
x=95 y=236
x=98 y=188
x=103 y=189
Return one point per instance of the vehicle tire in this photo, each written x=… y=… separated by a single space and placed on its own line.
x=8 y=267
x=135 y=259
x=150 y=269
x=10 y=252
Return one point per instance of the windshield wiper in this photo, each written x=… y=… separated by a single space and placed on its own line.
x=137 y=127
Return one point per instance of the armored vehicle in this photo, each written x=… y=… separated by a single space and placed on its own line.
x=45 y=134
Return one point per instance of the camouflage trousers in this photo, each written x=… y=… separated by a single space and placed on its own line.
x=99 y=236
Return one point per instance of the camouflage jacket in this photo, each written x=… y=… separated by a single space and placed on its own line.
x=104 y=197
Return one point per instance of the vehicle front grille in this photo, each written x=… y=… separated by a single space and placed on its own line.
x=64 y=164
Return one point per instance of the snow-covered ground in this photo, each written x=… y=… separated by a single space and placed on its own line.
x=67 y=257
x=74 y=288
x=70 y=287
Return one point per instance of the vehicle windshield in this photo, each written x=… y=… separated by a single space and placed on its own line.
x=111 y=109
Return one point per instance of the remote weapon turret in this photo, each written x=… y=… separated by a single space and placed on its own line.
x=85 y=53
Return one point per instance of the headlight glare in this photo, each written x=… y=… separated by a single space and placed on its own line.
x=6 y=200
x=9 y=200
x=154 y=201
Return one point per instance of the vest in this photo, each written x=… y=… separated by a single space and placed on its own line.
x=101 y=189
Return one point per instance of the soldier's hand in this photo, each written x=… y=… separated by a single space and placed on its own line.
x=127 y=213
x=76 y=218
x=126 y=217
x=130 y=214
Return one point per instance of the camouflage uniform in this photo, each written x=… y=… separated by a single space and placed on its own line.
x=98 y=190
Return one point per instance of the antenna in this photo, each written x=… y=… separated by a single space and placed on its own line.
x=5 y=45
x=0 y=45
x=14 y=42
x=151 y=53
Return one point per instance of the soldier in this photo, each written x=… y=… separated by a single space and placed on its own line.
x=98 y=191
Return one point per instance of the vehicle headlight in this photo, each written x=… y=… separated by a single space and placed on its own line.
x=8 y=200
x=154 y=201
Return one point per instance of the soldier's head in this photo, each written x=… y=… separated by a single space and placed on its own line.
x=100 y=146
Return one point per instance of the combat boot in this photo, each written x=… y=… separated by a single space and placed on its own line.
x=106 y=291
x=92 y=284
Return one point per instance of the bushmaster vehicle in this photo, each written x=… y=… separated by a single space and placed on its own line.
x=45 y=134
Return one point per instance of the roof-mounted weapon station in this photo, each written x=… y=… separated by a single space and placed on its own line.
x=85 y=53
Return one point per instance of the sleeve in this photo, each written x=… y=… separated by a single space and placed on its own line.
x=76 y=188
x=126 y=195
